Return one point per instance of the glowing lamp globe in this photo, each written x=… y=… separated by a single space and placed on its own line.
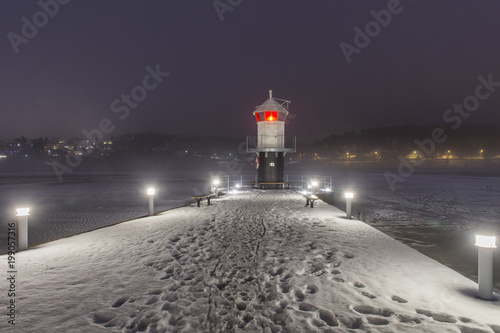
x=151 y=191
x=216 y=182
x=486 y=241
x=349 y=195
x=314 y=183
x=23 y=212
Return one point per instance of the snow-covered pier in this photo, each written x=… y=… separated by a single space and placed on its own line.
x=256 y=261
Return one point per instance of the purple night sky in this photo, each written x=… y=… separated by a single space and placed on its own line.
x=65 y=77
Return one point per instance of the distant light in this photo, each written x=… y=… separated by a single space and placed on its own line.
x=238 y=185
x=304 y=192
x=376 y=153
x=449 y=151
x=481 y=151
x=308 y=185
x=328 y=189
x=151 y=191
x=216 y=182
x=3 y=156
x=349 y=195
x=314 y=183
x=23 y=211
x=486 y=241
x=414 y=152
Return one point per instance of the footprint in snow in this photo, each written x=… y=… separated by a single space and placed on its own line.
x=440 y=317
x=152 y=300
x=366 y=294
x=371 y=310
x=175 y=239
x=328 y=317
x=240 y=305
x=399 y=299
x=312 y=289
x=377 y=321
x=348 y=255
x=495 y=328
x=299 y=295
x=303 y=306
x=465 y=329
x=119 y=302
x=104 y=316
x=409 y=319
x=285 y=288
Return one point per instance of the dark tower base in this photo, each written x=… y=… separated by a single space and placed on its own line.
x=271 y=170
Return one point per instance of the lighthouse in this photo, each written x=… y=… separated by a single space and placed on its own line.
x=270 y=150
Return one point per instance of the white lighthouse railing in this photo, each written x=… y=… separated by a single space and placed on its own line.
x=298 y=182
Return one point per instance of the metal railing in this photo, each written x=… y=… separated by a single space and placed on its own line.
x=304 y=182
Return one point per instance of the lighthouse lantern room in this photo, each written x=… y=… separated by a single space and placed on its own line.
x=270 y=149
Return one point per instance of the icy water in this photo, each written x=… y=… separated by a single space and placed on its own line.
x=436 y=211
x=85 y=202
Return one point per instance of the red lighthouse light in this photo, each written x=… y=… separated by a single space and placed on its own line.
x=271 y=115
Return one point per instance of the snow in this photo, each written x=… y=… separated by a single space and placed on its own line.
x=256 y=261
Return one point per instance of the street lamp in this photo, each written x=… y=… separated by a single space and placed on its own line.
x=348 y=199
x=22 y=228
x=151 y=195
x=485 y=245
x=314 y=184
x=216 y=188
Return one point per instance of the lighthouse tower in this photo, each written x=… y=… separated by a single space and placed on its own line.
x=270 y=150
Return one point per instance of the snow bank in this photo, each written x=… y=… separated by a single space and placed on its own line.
x=258 y=261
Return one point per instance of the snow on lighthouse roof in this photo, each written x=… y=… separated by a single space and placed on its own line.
x=273 y=105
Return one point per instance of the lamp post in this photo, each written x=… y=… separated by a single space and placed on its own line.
x=151 y=195
x=216 y=188
x=314 y=184
x=22 y=228
x=485 y=245
x=348 y=199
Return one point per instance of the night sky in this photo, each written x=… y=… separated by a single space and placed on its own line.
x=64 y=79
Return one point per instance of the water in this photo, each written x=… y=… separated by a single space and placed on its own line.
x=85 y=202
